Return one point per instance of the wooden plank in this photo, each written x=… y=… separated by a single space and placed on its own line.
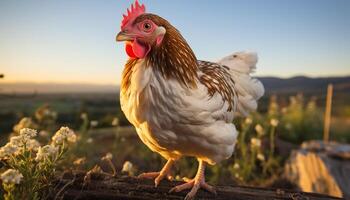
x=106 y=187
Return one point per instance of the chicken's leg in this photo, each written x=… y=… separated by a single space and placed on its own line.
x=158 y=176
x=197 y=182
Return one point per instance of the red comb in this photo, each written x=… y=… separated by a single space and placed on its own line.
x=135 y=10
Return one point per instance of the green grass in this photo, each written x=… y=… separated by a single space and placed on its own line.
x=299 y=118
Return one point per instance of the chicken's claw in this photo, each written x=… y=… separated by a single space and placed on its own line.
x=158 y=176
x=194 y=184
x=148 y=175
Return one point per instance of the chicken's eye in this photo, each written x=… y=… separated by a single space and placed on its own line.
x=147 y=26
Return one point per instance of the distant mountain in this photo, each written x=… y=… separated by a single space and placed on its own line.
x=272 y=85
x=304 y=84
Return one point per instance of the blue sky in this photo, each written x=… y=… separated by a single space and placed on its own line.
x=74 y=40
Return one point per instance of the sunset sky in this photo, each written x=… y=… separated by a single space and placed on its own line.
x=73 y=41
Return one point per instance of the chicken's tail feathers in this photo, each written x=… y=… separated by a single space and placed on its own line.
x=243 y=61
x=248 y=90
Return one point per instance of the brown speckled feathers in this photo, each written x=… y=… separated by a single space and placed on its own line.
x=217 y=79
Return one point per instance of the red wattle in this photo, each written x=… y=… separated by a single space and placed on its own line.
x=136 y=49
x=140 y=49
x=129 y=51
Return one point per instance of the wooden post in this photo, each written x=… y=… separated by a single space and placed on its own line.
x=327 y=116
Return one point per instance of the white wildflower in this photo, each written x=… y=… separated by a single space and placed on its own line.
x=93 y=123
x=72 y=138
x=64 y=134
x=289 y=126
x=255 y=142
x=47 y=111
x=248 y=120
x=108 y=156
x=58 y=138
x=236 y=166
x=23 y=123
x=33 y=144
x=11 y=176
x=274 y=122
x=28 y=132
x=46 y=152
x=8 y=149
x=127 y=167
x=18 y=140
x=83 y=116
x=43 y=133
x=89 y=140
x=259 y=129
x=54 y=114
x=115 y=121
x=24 y=139
x=260 y=157
x=284 y=110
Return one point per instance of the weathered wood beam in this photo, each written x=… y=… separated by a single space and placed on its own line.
x=106 y=187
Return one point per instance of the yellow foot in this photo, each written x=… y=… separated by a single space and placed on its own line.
x=195 y=184
x=158 y=176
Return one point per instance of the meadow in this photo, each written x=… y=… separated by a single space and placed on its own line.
x=105 y=138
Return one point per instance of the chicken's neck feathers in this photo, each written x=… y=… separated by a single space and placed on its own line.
x=174 y=58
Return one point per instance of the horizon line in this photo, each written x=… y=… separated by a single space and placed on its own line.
x=114 y=84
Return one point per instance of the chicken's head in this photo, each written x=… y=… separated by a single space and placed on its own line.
x=139 y=32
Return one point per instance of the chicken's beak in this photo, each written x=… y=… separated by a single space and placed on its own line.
x=123 y=36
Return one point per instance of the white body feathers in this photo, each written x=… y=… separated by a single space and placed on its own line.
x=176 y=121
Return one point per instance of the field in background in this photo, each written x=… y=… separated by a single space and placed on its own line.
x=69 y=100
x=285 y=119
x=103 y=107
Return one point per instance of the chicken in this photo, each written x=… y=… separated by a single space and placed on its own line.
x=181 y=106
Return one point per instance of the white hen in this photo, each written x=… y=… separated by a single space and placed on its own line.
x=181 y=106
